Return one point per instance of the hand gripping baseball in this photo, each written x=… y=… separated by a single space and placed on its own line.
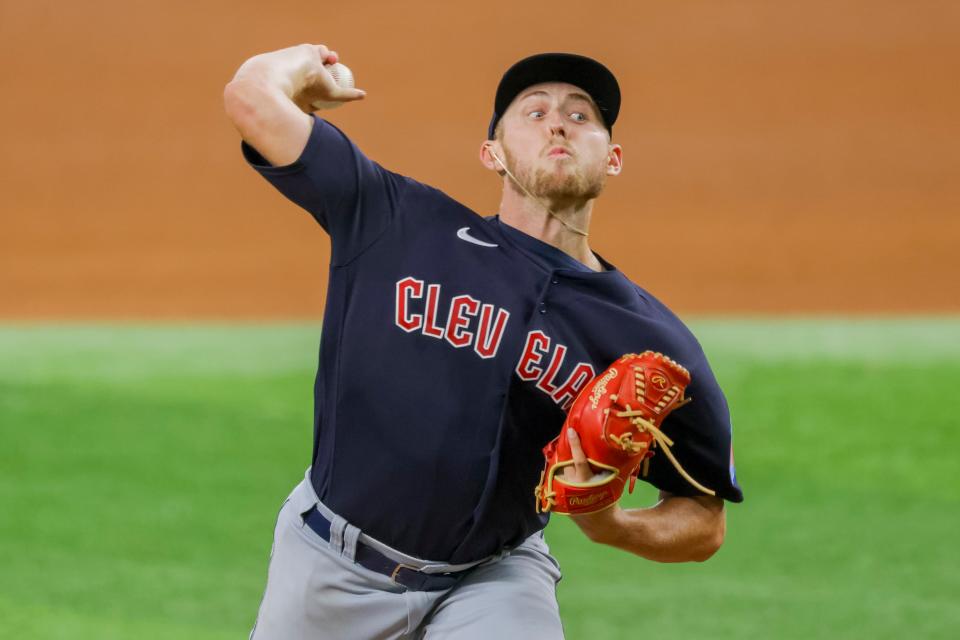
x=327 y=82
x=617 y=418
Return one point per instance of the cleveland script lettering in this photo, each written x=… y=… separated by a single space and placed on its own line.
x=462 y=312
x=466 y=321
x=533 y=366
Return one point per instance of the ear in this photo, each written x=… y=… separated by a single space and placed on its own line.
x=487 y=151
x=614 y=160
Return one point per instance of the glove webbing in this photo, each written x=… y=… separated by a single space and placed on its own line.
x=659 y=437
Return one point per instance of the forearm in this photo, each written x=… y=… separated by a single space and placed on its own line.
x=676 y=529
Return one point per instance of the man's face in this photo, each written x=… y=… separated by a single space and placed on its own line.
x=555 y=143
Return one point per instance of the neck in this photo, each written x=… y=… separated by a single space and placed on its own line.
x=531 y=216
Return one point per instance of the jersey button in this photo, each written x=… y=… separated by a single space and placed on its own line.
x=543 y=307
x=555 y=281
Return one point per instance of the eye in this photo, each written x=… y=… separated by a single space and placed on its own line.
x=578 y=116
x=536 y=113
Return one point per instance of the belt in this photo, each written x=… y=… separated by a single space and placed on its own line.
x=369 y=558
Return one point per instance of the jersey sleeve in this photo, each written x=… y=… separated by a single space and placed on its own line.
x=703 y=439
x=353 y=198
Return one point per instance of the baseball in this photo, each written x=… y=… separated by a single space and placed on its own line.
x=343 y=77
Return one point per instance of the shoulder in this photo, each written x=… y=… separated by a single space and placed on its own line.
x=675 y=335
x=432 y=204
x=664 y=313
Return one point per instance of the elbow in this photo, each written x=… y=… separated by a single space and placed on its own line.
x=698 y=551
x=706 y=550
x=710 y=543
x=241 y=100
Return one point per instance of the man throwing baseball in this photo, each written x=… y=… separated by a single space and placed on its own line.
x=455 y=348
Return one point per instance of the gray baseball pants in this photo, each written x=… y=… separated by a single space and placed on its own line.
x=315 y=591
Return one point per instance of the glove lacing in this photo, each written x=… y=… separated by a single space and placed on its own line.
x=659 y=438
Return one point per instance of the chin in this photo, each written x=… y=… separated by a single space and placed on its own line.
x=558 y=180
x=566 y=186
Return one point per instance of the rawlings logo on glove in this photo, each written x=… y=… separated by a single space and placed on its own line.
x=617 y=418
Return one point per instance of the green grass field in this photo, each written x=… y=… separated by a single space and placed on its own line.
x=141 y=469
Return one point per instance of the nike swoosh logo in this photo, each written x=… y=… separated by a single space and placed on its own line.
x=463 y=235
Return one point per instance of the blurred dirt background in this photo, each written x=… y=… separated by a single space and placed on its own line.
x=779 y=157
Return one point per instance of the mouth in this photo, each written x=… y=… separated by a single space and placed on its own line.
x=558 y=152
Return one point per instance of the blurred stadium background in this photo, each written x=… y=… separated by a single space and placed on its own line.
x=795 y=164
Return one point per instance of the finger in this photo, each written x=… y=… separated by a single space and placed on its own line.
x=580 y=464
x=349 y=95
x=327 y=55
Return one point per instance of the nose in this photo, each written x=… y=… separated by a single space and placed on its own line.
x=555 y=123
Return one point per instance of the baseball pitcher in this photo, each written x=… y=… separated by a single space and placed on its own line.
x=476 y=372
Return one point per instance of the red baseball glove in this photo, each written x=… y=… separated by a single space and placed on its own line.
x=617 y=418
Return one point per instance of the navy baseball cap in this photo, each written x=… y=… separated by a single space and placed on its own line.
x=583 y=72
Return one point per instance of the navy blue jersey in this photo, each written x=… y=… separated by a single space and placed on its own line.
x=451 y=346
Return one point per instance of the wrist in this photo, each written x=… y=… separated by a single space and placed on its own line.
x=286 y=70
x=604 y=526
